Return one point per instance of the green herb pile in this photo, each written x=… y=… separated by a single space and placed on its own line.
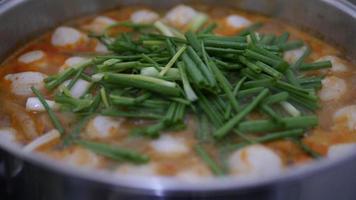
x=157 y=73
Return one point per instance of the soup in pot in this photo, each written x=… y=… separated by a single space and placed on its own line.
x=191 y=93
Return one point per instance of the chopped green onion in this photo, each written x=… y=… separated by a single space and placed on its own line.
x=150 y=60
x=50 y=112
x=197 y=22
x=316 y=65
x=291 y=45
x=222 y=131
x=74 y=134
x=189 y=92
x=282 y=96
x=173 y=60
x=215 y=168
x=251 y=28
x=210 y=28
x=118 y=113
x=114 y=152
x=307 y=149
x=269 y=125
x=144 y=82
x=104 y=97
x=60 y=78
x=204 y=130
x=164 y=29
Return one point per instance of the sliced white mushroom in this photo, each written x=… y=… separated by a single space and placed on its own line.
x=149 y=169
x=34 y=104
x=82 y=158
x=42 y=140
x=144 y=17
x=8 y=135
x=348 y=113
x=333 y=88
x=292 y=56
x=337 y=65
x=255 y=161
x=66 y=36
x=101 y=48
x=180 y=15
x=341 y=150
x=237 y=21
x=79 y=88
x=31 y=57
x=169 y=145
x=22 y=82
x=102 y=127
x=100 y=23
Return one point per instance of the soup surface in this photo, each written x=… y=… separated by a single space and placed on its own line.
x=192 y=93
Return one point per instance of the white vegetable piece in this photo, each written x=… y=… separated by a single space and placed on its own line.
x=292 y=56
x=102 y=127
x=237 y=21
x=144 y=17
x=79 y=88
x=65 y=36
x=97 y=77
x=249 y=39
x=180 y=15
x=348 y=112
x=83 y=158
x=290 y=108
x=100 y=23
x=333 y=88
x=255 y=161
x=22 y=82
x=34 y=104
x=169 y=145
x=104 y=20
x=138 y=170
x=337 y=65
x=31 y=56
x=101 y=48
x=341 y=150
x=43 y=139
x=8 y=135
x=72 y=61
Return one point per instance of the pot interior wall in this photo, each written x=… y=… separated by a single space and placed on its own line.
x=22 y=20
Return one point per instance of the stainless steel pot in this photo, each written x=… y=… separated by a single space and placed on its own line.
x=34 y=177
